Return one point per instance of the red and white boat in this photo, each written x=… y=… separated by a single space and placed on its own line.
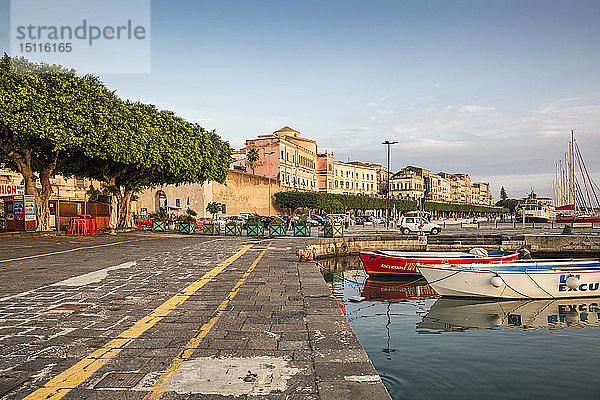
x=399 y=263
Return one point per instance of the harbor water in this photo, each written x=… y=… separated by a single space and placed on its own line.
x=427 y=347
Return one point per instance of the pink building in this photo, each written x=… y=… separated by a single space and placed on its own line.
x=293 y=162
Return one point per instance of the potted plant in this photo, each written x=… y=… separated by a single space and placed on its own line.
x=302 y=226
x=187 y=222
x=212 y=228
x=255 y=226
x=159 y=221
x=333 y=230
x=277 y=227
x=233 y=228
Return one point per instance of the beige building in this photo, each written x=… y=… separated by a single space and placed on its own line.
x=481 y=193
x=416 y=182
x=241 y=193
x=382 y=174
x=407 y=184
x=353 y=178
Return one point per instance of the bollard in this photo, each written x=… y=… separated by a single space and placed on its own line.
x=533 y=224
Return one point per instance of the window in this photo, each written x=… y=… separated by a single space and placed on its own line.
x=282 y=154
x=177 y=203
x=410 y=220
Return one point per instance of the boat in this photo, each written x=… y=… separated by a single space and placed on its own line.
x=455 y=315
x=402 y=263
x=386 y=290
x=543 y=279
x=536 y=209
x=577 y=198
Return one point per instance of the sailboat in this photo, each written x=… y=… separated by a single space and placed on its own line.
x=575 y=192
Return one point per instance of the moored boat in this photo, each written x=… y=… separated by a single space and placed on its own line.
x=549 y=279
x=402 y=263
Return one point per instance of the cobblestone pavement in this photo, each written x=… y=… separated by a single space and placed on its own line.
x=173 y=317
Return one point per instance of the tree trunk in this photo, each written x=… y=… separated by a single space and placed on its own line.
x=43 y=206
x=42 y=197
x=43 y=202
x=125 y=216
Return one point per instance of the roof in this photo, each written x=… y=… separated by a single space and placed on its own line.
x=286 y=129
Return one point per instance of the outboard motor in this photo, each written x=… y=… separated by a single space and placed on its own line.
x=524 y=254
x=478 y=251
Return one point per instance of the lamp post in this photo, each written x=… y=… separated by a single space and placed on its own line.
x=268 y=153
x=387 y=216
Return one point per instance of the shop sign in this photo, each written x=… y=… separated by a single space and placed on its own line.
x=11 y=190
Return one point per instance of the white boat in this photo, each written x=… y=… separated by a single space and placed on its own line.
x=548 y=279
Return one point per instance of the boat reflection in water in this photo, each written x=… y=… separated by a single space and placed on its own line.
x=389 y=290
x=451 y=315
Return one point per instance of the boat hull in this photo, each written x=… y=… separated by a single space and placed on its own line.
x=542 y=284
x=378 y=264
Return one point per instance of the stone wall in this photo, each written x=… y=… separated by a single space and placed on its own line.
x=565 y=245
x=241 y=193
x=561 y=246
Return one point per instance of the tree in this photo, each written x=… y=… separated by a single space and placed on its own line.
x=503 y=195
x=139 y=146
x=44 y=110
x=252 y=157
x=214 y=208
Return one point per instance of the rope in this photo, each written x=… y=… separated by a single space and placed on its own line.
x=536 y=284
x=513 y=289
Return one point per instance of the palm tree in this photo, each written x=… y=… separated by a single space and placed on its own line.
x=252 y=157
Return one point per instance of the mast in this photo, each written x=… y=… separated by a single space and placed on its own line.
x=572 y=171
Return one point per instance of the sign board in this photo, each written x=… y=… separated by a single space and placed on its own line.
x=11 y=190
x=18 y=207
x=29 y=205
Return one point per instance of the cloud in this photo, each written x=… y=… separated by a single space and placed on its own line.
x=475 y=108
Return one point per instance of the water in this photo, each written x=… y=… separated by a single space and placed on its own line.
x=425 y=347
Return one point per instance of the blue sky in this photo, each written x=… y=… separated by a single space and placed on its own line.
x=491 y=88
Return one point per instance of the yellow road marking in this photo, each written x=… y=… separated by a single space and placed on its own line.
x=69 y=251
x=165 y=379
x=59 y=386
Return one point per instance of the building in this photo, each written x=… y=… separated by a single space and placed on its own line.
x=354 y=178
x=238 y=160
x=382 y=174
x=296 y=164
x=285 y=156
x=407 y=184
x=325 y=172
x=481 y=193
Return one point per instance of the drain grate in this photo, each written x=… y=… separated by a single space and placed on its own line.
x=117 y=380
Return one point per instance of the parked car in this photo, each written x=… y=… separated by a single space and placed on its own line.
x=316 y=220
x=418 y=224
x=237 y=218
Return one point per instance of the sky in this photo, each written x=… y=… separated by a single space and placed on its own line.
x=491 y=88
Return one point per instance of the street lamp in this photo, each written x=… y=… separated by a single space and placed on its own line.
x=268 y=153
x=389 y=144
